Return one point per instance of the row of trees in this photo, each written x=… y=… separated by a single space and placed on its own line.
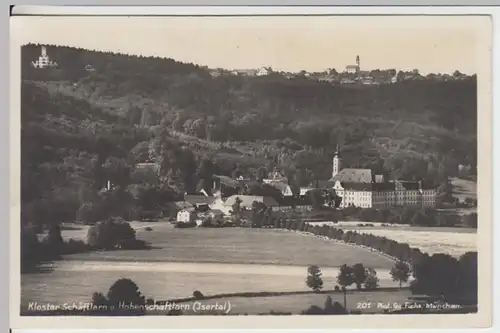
x=348 y=275
x=418 y=216
x=439 y=274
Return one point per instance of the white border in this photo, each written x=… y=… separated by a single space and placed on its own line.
x=448 y=321
x=240 y=10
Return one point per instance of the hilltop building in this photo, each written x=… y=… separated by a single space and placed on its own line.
x=353 y=69
x=365 y=189
x=44 y=60
x=264 y=71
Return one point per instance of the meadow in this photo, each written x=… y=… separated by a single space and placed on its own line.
x=214 y=261
x=238 y=246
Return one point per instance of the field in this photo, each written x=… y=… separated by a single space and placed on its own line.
x=214 y=261
x=463 y=188
x=429 y=240
x=239 y=246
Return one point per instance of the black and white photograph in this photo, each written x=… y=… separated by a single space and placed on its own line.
x=251 y=166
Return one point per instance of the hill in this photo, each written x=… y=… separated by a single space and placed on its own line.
x=135 y=109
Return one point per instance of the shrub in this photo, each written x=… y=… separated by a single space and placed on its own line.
x=148 y=229
x=198 y=295
x=75 y=246
x=110 y=233
x=125 y=291
x=337 y=288
x=132 y=244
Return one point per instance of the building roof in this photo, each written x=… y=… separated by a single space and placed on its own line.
x=189 y=209
x=353 y=176
x=351 y=67
x=247 y=200
x=198 y=199
x=217 y=212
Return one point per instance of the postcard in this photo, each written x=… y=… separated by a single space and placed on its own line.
x=251 y=171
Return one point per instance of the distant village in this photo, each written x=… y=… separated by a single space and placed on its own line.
x=352 y=73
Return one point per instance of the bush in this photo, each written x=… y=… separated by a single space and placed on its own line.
x=337 y=288
x=198 y=295
x=110 y=233
x=132 y=244
x=125 y=291
x=148 y=229
x=75 y=246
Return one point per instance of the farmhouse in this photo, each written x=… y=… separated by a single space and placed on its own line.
x=186 y=215
x=362 y=188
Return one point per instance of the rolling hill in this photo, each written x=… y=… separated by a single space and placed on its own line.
x=73 y=119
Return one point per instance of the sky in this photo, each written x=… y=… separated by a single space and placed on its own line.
x=312 y=43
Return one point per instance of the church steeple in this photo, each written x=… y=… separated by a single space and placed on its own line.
x=336 y=162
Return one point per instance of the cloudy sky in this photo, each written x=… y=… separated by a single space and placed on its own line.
x=430 y=44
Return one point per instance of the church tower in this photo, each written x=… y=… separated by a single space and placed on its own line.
x=336 y=162
x=357 y=62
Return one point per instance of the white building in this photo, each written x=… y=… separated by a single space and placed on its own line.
x=362 y=188
x=353 y=69
x=263 y=71
x=186 y=215
x=43 y=60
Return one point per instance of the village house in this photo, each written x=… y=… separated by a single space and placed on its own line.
x=187 y=215
x=263 y=71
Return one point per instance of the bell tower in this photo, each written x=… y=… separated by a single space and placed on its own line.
x=336 y=162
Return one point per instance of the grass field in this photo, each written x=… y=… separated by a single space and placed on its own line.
x=214 y=261
x=455 y=242
x=239 y=246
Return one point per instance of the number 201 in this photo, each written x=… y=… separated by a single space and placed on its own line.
x=363 y=305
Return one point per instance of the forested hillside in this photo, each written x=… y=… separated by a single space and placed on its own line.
x=81 y=128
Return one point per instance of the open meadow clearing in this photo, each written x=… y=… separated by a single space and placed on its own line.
x=430 y=241
x=75 y=281
x=239 y=246
x=453 y=241
x=214 y=261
